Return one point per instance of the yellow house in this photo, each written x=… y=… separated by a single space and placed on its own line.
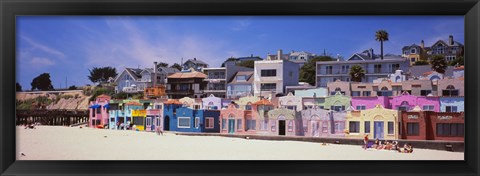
x=139 y=117
x=378 y=122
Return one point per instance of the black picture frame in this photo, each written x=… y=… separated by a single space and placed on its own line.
x=12 y=8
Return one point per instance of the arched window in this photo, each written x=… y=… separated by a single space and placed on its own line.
x=404 y=106
x=450 y=91
x=248 y=106
x=397 y=79
x=450 y=87
x=384 y=92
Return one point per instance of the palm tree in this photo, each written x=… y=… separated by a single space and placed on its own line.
x=357 y=73
x=381 y=35
x=438 y=63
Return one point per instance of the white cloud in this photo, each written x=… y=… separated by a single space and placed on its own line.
x=42 y=47
x=41 y=62
x=241 y=24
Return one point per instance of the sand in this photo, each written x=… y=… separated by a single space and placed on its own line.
x=74 y=143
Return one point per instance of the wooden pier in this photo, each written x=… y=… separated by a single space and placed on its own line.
x=52 y=117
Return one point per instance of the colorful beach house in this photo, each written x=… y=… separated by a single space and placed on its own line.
x=234 y=120
x=130 y=106
x=337 y=102
x=284 y=122
x=154 y=118
x=170 y=112
x=98 y=111
x=212 y=102
x=363 y=103
x=138 y=121
x=378 y=122
x=452 y=104
x=246 y=102
x=260 y=111
x=407 y=102
x=291 y=102
x=414 y=124
x=195 y=120
x=191 y=102
x=318 y=122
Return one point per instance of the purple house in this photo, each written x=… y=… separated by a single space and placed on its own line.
x=363 y=103
x=407 y=102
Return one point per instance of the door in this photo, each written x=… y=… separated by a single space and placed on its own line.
x=378 y=130
x=166 y=124
x=148 y=124
x=315 y=131
x=231 y=125
x=324 y=128
x=281 y=127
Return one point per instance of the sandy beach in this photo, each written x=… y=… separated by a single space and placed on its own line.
x=74 y=143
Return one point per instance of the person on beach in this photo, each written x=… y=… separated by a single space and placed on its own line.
x=365 y=142
x=159 y=131
x=376 y=144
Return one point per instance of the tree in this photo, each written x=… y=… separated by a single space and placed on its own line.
x=460 y=61
x=72 y=87
x=438 y=63
x=162 y=64
x=42 y=82
x=228 y=60
x=102 y=74
x=308 y=70
x=247 y=63
x=421 y=62
x=18 y=87
x=357 y=73
x=177 y=66
x=381 y=35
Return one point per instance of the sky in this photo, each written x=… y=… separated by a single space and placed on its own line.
x=68 y=46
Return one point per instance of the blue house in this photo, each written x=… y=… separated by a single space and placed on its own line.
x=191 y=120
x=169 y=114
x=452 y=104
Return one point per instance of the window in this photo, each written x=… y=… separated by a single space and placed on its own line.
x=367 y=127
x=93 y=112
x=209 y=122
x=338 y=127
x=377 y=68
x=251 y=125
x=248 y=107
x=269 y=73
x=184 y=122
x=159 y=107
x=268 y=86
x=361 y=107
x=450 y=129
x=98 y=110
x=395 y=67
x=324 y=127
x=291 y=107
x=451 y=109
x=450 y=91
x=428 y=107
x=355 y=93
x=412 y=59
x=197 y=122
x=425 y=92
x=274 y=124
x=138 y=121
x=384 y=92
x=241 y=78
x=329 y=69
x=404 y=106
x=196 y=107
x=413 y=51
x=290 y=125
x=413 y=129
x=149 y=121
x=264 y=125
x=366 y=93
x=239 y=124
x=224 y=124
x=337 y=108
x=354 y=127
x=390 y=128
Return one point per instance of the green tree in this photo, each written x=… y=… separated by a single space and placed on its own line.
x=460 y=61
x=308 y=70
x=421 y=62
x=120 y=95
x=162 y=64
x=357 y=73
x=229 y=59
x=438 y=63
x=102 y=74
x=177 y=66
x=381 y=36
x=18 y=87
x=247 y=63
x=72 y=87
x=42 y=82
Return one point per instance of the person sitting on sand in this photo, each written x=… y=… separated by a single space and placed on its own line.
x=394 y=145
x=122 y=126
x=30 y=126
x=409 y=148
x=388 y=146
x=379 y=146
x=375 y=145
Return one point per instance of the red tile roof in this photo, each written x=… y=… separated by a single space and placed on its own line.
x=263 y=102
x=134 y=103
x=173 y=101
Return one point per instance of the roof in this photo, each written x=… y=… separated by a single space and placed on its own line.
x=459 y=68
x=196 y=61
x=104 y=96
x=135 y=72
x=413 y=45
x=168 y=70
x=173 y=101
x=190 y=74
x=263 y=102
x=134 y=103
x=248 y=58
x=249 y=75
x=419 y=70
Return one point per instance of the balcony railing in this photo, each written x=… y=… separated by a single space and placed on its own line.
x=216 y=77
x=180 y=92
x=132 y=89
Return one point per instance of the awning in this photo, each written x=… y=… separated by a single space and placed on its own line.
x=106 y=106
x=95 y=106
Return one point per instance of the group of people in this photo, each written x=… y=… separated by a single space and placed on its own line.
x=387 y=145
x=31 y=125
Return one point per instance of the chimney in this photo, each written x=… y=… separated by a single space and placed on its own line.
x=372 y=55
x=154 y=73
x=279 y=54
x=194 y=58
x=422 y=44
x=450 y=40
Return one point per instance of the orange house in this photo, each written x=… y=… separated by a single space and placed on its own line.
x=155 y=92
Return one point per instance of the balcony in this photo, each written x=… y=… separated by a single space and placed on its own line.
x=180 y=92
x=132 y=89
x=215 y=77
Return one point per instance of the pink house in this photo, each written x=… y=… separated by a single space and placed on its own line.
x=237 y=121
x=407 y=102
x=98 y=112
x=154 y=119
x=363 y=103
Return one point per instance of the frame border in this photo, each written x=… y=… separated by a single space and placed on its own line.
x=10 y=9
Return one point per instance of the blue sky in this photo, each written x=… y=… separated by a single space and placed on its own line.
x=67 y=47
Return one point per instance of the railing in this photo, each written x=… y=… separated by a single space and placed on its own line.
x=132 y=89
x=216 y=77
x=180 y=91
